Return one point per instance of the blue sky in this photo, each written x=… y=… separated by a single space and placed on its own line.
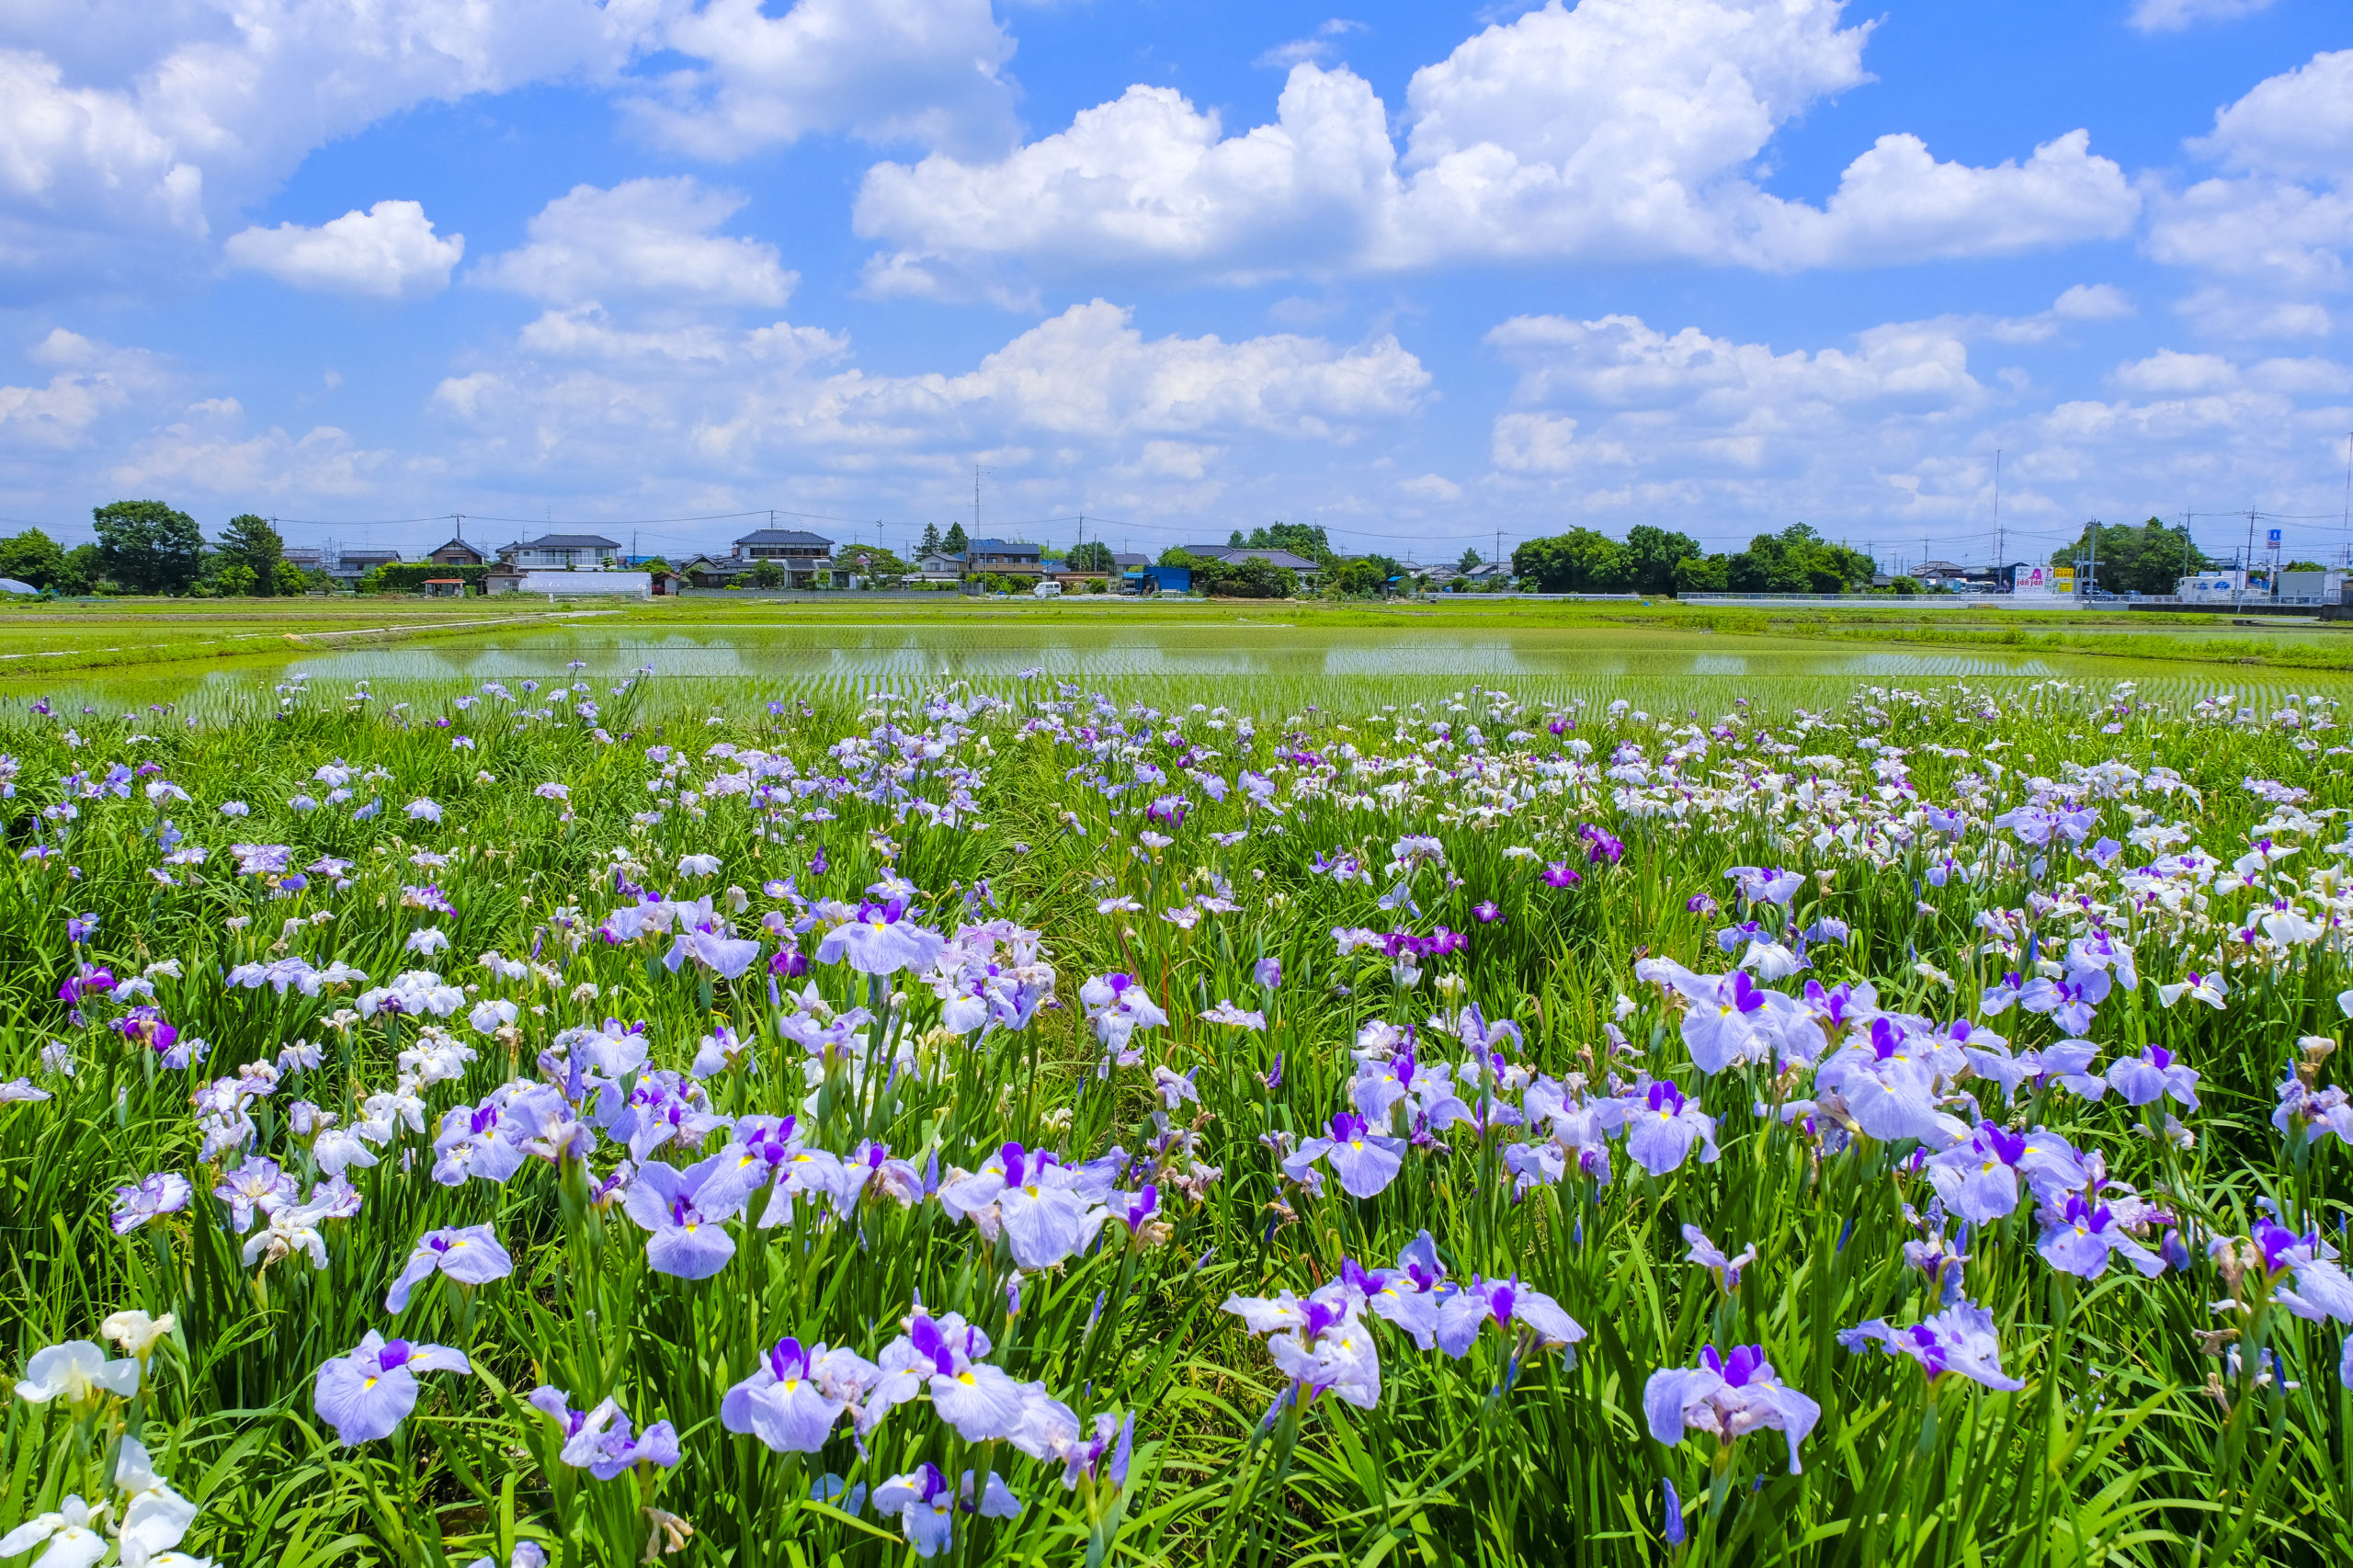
x=1426 y=274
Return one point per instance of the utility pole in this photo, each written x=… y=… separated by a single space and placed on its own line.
x=2248 y=568
x=460 y=519
x=1999 y=558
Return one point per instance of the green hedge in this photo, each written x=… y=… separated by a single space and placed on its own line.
x=409 y=577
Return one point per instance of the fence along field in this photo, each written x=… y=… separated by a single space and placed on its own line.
x=1267 y=1120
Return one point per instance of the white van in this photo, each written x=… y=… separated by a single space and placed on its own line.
x=1046 y=590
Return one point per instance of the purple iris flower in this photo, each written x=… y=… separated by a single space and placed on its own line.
x=2320 y=1289
x=469 y=1255
x=365 y=1394
x=1561 y=874
x=1363 y=1160
x=797 y=1396
x=1135 y=1209
x=1486 y=913
x=80 y=928
x=881 y=939
x=1729 y=1396
x=1979 y=1179
x=727 y=957
x=927 y=1507
x=941 y=1358
x=151 y=1197
x=1600 y=845
x=2151 y=1075
x=1269 y=973
x=1958 y=1339
x=1661 y=1127
x=685 y=1240
x=1886 y=1084
x=1509 y=1304
x=1701 y=905
x=90 y=981
x=2078 y=1237
x=599 y=1441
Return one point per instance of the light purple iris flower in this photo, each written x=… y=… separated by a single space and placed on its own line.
x=881 y=939
x=1408 y=1295
x=687 y=1239
x=2151 y=1075
x=1887 y=1084
x=1661 y=1126
x=1729 y=1396
x=1979 y=1179
x=1713 y=1258
x=483 y=1141
x=1958 y=1339
x=941 y=1358
x=927 y=1507
x=2321 y=1289
x=599 y=1441
x=727 y=957
x=1510 y=1306
x=2079 y=1236
x=365 y=1394
x=1047 y=1211
x=1320 y=1343
x=797 y=1396
x=2067 y=1063
x=1365 y=1162
x=151 y=1197
x=469 y=1255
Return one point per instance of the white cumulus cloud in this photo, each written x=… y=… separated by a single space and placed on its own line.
x=1617 y=131
x=648 y=239
x=2270 y=234
x=925 y=71
x=389 y=251
x=2173 y=16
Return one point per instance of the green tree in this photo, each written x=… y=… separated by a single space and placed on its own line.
x=930 y=545
x=1469 y=558
x=1304 y=540
x=767 y=574
x=33 y=557
x=2151 y=559
x=1578 y=561
x=1091 y=555
x=1797 y=560
x=147 y=547
x=956 y=544
x=1653 y=554
x=1702 y=575
x=86 y=570
x=287 y=581
x=251 y=542
x=235 y=580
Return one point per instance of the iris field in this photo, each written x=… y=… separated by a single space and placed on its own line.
x=554 y=1124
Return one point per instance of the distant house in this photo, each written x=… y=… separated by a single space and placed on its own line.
x=1002 y=558
x=304 y=557
x=445 y=587
x=353 y=564
x=802 y=555
x=560 y=552
x=458 y=552
x=709 y=571
x=1307 y=570
x=939 y=566
x=501 y=578
x=1130 y=560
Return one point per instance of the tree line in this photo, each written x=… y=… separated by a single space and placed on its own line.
x=149 y=547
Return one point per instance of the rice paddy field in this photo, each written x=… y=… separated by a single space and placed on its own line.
x=1135 y=1084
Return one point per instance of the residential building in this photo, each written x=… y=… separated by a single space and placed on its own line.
x=351 y=565
x=445 y=587
x=1002 y=558
x=305 y=557
x=1130 y=560
x=577 y=552
x=709 y=572
x=1307 y=571
x=939 y=566
x=802 y=555
x=458 y=552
